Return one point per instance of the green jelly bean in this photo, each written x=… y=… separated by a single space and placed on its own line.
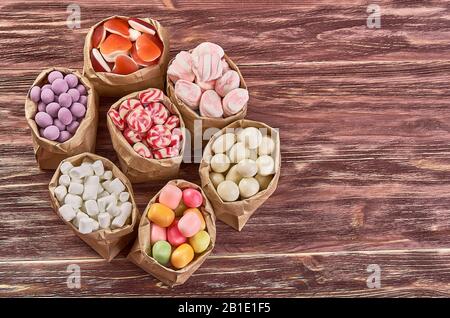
x=161 y=252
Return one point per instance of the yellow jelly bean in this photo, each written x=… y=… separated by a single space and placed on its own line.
x=200 y=216
x=160 y=214
x=182 y=256
x=200 y=241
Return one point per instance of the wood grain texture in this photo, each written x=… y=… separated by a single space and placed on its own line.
x=364 y=124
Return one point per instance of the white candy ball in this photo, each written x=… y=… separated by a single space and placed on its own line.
x=263 y=181
x=247 y=168
x=223 y=143
x=220 y=162
x=233 y=175
x=267 y=146
x=248 y=187
x=238 y=152
x=228 y=191
x=251 y=137
x=216 y=178
x=266 y=165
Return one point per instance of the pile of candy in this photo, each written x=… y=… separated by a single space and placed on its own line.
x=61 y=105
x=123 y=46
x=203 y=80
x=91 y=199
x=148 y=125
x=178 y=229
x=242 y=164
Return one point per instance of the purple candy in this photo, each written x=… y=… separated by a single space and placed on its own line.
x=35 y=94
x=78 y=110
x=41 y=107
x=83 y=100
x=72 y=80
x=63 y=136
x=54 y=75
x=65 y=116
x=51 y=132
x=52 y=109
x=43 y=119
x=47 y=95
x=49 y=86
x=65 y=100
x=75 y=94
x=59 y=86
x=59 y=124
x=73 y=126
x=81 y=89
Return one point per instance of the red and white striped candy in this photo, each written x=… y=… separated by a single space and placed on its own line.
x=175 y=141
x=167 y=152
x=172 y=122
x=116 y=119
x=159 y=113
x=158 y=137
x=127 y=106
x=142 y=150
x=131 y=136
x=177 y=131
x=151 y=95
x=139 y=120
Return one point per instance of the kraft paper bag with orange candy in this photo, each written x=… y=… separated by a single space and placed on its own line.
x=149 y=74
x=140 y=251
x=49 y=153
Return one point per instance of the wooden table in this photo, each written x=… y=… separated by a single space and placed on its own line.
x=364 y=120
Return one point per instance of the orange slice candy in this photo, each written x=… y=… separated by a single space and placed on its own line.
x=137 y=59
x=148 y=47
x=117 y=26
x=98 y=36
x=142 y=26
x=98 y=62
x=114 y=45
x=124 y=65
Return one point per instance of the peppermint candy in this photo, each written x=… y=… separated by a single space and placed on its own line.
x=158 y=137
x=116 y=119
x=175 y=141
x=164 y=153
x=139 y=120
x=131 y=136
x=177 y=131
x=142 y=150
x=127 y=106
x=159 y=113
x=151 y=95
x=172 y=122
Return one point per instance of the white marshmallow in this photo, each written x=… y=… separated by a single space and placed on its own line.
x=98 y=168
x=105 y=201
x=90 y=192
x=60 y=192
x=76 y=188
x=107 y=186
x=80 y=215
x=86 y=225
x=76 y=172
x=64 y=180
x=104 y=220
x=92 y=180
x=65 y=167
x=108 y=175
x=102 y=194
x=125 y=208
x=67 y=212
x=74 y=200
x=76 y=180
x=113 y=209
x=95 y=225
x=116 y=186
x=87 y=169
x=124 y=196
x=91 y=207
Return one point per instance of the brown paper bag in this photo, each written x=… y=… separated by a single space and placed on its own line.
x=167 y=275
x=110 y=84
x=50 y=153
x=139 y=169
x=237 y=213
x=105 y=242
x=190 y=115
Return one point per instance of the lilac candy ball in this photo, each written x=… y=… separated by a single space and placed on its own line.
x=41 y=132
x=73 y=126
x=49 y=86
x=54 y=75
x=71 y=79
x=35 y=94
x=51 y=132
x=65 y=116
x=52 y=109
x=83 y=100
x=81 y=89
x=43 y=119
x=74 y=93
x=65 y=100
x=59 y=124
x=41 y=107
x=47 y=95
x=64 y=135
x=78 y=110
x=60 y=86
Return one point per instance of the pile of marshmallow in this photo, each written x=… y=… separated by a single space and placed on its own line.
x=204 y=81
x=148 y=126
x=91 y=198
x=242 y=163
x=61 y=106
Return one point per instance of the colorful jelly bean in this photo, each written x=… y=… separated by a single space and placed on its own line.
x=157 y=233
x=199 y=215
x=189 y=224
x=200 y=241
x=170 y=196
x=174 y=235
x=161 y=252
x=192 y=198
x=182 y=256
x=160 y=214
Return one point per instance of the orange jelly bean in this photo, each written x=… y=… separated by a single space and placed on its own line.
x=199 y=214
x=182 y=256
x=160 y=214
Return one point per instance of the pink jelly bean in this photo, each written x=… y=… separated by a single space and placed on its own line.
x=35 y=94
x=188 y=92
x=74 y=94
x=229 y=81
x=52 y=109
x=189 y=224
x=157 y=233
x=65 y=116
x=47 y=95
x=51 y=132
x=54 y=75
x=59 y=124
x=65 y=100
x=72 y=80
x=192 y=198
x=211 y=105
x=174 y=235
x=181 y=68
x=64 y=136
x=59 y=86
x=72 y=127
x=41 y=107
x=78 y=110
x=234 y=101
x=170 y=196
x=43 y=119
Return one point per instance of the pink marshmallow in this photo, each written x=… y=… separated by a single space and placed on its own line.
x=211 y=104
x=229 y=81
x=207 y=66
x=234 y=101
x=181 y=68
x=188 y=92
